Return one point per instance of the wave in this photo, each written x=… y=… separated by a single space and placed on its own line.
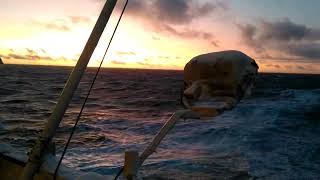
x=274 y=134
x=15 y=101
x=7 y=91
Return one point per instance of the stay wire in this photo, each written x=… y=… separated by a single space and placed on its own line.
x=88 y=94
x=119 y=173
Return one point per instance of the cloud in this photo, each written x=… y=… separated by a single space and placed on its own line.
x=64 y=24
x=163 y=57
x=4 y=56
x=215 y=43
x=57 y=27
x=277 y=66
x=126 y=53
x=172 y=11
x=43 y=51
x=301 y=67
x=284 y=30
x=55 y=24
x=174 y=17
x=30 y=51
x=282 y=36
x=309 y=50
x=28 y=57
x=117 y=62
x=186 y=33
x=28 y=54
x=156 y=38
x=148 y=63
x=16 y=56
x=79 y=19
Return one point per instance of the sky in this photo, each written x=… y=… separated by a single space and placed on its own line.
x=282 y=36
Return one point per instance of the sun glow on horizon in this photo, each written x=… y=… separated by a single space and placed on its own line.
x=51 y=34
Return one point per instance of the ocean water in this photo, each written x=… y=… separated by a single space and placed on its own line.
x=274 y=134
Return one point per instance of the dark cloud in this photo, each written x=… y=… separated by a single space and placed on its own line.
x=172 y=11
x=29 y=54
x=277 y=66
x=30 y=51
x=4 y=56
x=173 y=17
x=28 y=57
x=282 y=36
x=142 y=63
x=215 y=43
x=292 y=68
x=301 y=67
x=309 y=50
x=266 y=56
x=135 y=7
x=186 y=33
x=32 y=55
x=16 y=56
x=248 y=35
x=149 y=65
x=146 y=62
x=284 y=30
x=207 y=8
x=288 y=66
x=67 y=60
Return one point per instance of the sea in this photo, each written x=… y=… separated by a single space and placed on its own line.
x=273 y=134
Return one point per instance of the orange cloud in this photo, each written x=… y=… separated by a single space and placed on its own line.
x=31 y=55
x=64 y=24
x=126 y=53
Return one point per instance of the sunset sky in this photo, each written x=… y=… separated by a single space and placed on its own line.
x=282 y=36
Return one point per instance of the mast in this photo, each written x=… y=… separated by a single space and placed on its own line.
x=38 y=151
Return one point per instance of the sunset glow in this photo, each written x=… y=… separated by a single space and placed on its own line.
x=163 y=34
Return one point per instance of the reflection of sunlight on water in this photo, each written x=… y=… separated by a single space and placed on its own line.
x=273 y=134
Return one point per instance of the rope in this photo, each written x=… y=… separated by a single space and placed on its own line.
x=119 y=173
x=88 y=94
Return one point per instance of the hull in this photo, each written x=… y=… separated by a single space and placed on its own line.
x=11 y=169
x=12 y=164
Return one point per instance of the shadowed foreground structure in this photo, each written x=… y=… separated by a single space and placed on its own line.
x=217 y=81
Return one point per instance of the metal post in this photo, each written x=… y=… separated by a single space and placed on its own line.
x=161 y=134
x=37 y=153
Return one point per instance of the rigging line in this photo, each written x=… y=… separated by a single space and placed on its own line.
x=119 y=173
x=88 y=94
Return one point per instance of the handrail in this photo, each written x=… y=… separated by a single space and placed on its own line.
x=161 y=134
x=132 y=164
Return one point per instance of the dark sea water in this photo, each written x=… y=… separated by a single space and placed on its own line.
x=274 y=134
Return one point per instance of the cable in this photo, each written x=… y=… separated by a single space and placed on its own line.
x=88 y=94
x=119 y=173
